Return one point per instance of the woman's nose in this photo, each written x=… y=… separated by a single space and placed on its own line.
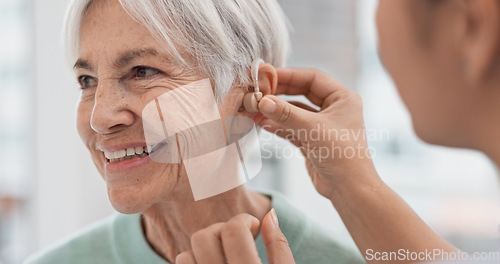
x=110 y=113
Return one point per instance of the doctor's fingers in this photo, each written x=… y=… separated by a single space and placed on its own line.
x=314 y=84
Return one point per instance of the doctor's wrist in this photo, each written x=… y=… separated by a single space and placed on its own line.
x=361 y=183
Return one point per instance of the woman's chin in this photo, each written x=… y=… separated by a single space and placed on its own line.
x=130 y=200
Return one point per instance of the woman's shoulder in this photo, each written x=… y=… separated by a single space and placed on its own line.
x=309 y=241
x=92 y=244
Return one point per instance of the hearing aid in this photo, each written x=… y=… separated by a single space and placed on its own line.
x=252 y=99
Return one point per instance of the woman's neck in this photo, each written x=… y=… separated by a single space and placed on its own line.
x=168 y=226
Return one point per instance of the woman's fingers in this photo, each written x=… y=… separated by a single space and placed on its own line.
x=277 y=248
x=234 y=242
x=206 y=245
x=230 y=242
x=238 y=239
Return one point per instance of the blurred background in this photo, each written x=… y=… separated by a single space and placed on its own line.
x=49 y=187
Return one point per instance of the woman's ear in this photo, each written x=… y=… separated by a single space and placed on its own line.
x=482 y=39
x=268 y=82
x=268 y=79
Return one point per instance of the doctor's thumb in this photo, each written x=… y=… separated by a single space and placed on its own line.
x=277 y=248
x=284 y=113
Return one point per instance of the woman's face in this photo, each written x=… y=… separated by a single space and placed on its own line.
x=418 y=45
x=122 y=68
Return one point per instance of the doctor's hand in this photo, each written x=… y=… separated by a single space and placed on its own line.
x=234 y=242
x=333 y=139
x=375 y=216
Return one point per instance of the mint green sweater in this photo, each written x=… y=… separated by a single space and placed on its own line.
x=120 y=239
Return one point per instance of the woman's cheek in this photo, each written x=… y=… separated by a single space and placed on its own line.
x=83 y=114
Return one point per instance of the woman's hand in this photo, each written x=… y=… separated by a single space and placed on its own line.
x=333 y=140
x=234 y=242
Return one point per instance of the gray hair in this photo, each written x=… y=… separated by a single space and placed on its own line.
x=224 y=36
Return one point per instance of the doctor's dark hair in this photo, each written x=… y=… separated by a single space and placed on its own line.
x=224 y=36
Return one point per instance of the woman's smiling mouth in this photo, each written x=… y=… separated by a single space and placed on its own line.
x=119 y=159
x=126 y=154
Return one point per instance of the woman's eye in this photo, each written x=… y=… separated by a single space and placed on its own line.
x=143 y=72
x=87 y=81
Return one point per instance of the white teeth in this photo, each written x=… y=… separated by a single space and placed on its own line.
x=130 y=151
x=139 y=150
x=120 y=154
x=109 y=154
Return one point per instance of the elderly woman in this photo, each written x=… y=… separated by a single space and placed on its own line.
x=127 y=54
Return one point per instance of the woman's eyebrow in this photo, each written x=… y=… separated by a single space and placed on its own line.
x=124 y=59
x=127 y=57
x=82 y=64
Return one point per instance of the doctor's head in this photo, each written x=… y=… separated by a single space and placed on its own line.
x=444 y=56
x=127 y=53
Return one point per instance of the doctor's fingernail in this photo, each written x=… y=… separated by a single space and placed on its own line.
x=267 y=105
x=274 y=217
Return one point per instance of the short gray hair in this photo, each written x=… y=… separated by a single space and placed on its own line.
x=224 y=36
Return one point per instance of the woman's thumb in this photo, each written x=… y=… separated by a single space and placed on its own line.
x=277 y=248
x=283 y=113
